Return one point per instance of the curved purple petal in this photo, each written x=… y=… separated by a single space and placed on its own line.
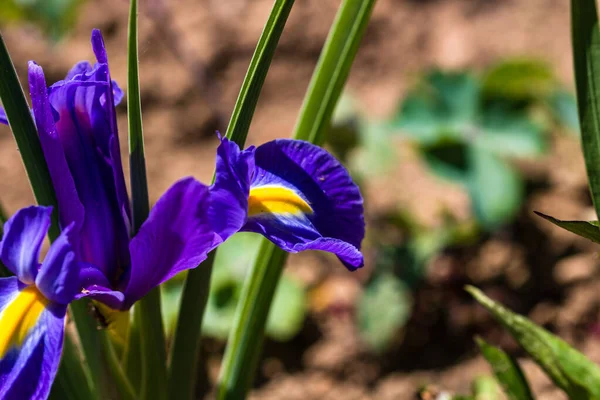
x=302 y=198
x=3 y=118
x=97 y=286
x=28 y=369
x=176 y=236
x=58 y=277
x=229 y=193
x=23 y=236
x=70 y=209
x=112 y=298
x=82 y=67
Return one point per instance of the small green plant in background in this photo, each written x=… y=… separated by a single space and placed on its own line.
x=469 y=128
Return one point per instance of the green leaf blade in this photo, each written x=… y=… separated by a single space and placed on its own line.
x=586 y=57
x=507 y=371
x=570 y=370
x=151 y=337
x=587 y=229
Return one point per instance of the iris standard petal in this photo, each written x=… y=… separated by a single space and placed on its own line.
x=70 y=209
x=302 y=198
x=176 y=236
x=84 y=133
x=30 y=341
x=58 y=277
x=109 y=101
x=23 y=236
x=229 y=193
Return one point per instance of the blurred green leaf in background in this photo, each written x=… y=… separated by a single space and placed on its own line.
x=55 y=17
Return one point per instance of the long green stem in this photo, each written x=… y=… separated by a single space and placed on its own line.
x=151 y=335
x=183 y=369
x=247 y=335
x=121 y=382
x=586 y=60
x=245 y=340
x=184 y=352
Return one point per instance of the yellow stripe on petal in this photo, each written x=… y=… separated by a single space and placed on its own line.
x=20 y=317
x=276 y=200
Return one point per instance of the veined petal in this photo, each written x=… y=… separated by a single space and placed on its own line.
x=30 y=341
x=58 y=277
x=24 y=233
x=229 y=193
x=176 y=236
x=302 y=198
x=84 y=131
x=70 y=209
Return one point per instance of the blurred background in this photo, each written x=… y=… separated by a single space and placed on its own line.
x=458 y=122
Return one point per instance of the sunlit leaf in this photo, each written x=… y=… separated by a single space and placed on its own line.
x=586 y=56
x=507 y=371
x=511 y=134
x=520 y=79
x=443 y=106
x=495 y=188
x=570 y=370
x=485 y=388
x=587 y=229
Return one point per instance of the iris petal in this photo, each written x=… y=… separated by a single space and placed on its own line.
x=24 y=233
x=229 y=193
x=176 y=236
x=302 y=198
x=58 y=277
x=70 y=209
x=29 y=364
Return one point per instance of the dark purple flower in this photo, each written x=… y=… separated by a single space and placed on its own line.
x=33 y=304
x=295 y=194
x=76 y=123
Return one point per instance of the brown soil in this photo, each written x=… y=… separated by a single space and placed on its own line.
x=194 y=55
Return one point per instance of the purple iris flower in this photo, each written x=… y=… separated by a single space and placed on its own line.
x=295 y=194
x=76 y=122
x=292 y=192
x=33 y=304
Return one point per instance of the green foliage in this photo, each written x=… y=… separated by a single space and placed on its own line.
x=56 y=17
x=587 y=229
x=382 y=310
x=230 y=268
x=586 y=57
x=485 y=388
x=520 y=79
x=507 y=371
x=465 y=128
x=570 y=370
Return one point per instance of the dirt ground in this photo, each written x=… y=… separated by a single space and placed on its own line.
x=194 y=55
